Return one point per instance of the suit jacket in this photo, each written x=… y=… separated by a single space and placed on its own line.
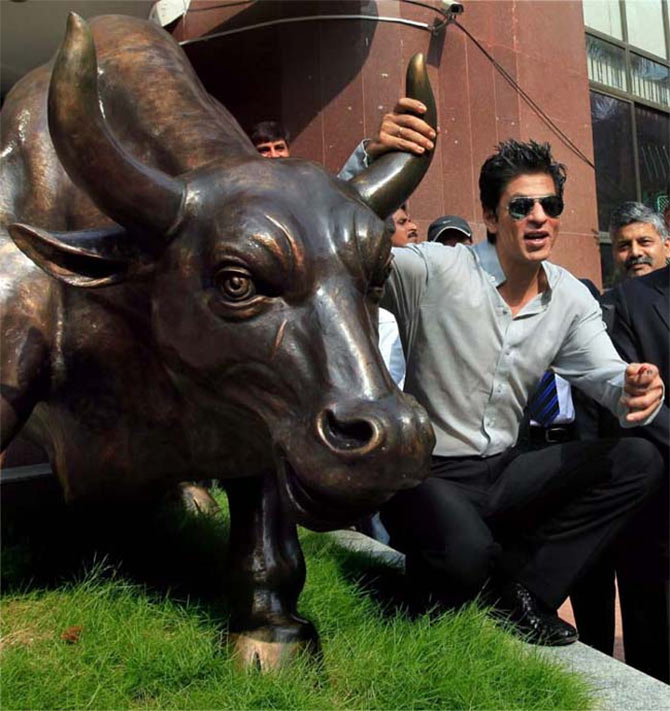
x=641 y=333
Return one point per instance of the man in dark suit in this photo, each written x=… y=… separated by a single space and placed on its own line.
x=637 y=316
x=641 y=328
x=641 y=331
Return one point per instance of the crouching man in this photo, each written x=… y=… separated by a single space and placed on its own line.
x=480 y=325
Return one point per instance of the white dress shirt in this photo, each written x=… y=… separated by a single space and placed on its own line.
x=473 y=365
x=566 y=408
x=391 y=347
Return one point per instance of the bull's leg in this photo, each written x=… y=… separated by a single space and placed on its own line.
x=267 y=576
x=197 y=499
x=24 y=368
x=11 y=422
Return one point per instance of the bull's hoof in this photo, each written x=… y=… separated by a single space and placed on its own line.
x=271 y=647
x=197 y=499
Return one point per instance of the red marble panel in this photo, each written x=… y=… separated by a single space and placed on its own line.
x=508 y=128
x=553 y=31
x=209 y=16
x=484 y=129
x=504 y=19
x=580 y=193
x=506 y=96
x=301 y=91
x=478 y=228
x=421 y=224
x=342 y=102
x=562 y=97
x=579 y=254
x=383 y=73
x=416 y=39
x=427 y=202
x=455 y=141
x=234 y=71
x=491 y=21
x=478 y=19
x=337 y=80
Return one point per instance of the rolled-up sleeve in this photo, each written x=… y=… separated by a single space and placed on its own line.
x=356 y=163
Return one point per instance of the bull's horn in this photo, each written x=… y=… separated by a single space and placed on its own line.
x=129 y=192
x=391 y=179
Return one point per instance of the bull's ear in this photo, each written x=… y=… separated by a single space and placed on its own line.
x=86 y=258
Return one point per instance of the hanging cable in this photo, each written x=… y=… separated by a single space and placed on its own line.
x=450 y=19
x=533 y=105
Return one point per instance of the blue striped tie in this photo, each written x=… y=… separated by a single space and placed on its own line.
x=543 y=405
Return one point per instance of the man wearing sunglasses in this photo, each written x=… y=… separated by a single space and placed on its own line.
x=479 y=326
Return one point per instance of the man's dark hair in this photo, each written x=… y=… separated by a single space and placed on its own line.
x=268 y=131
x=512 y=159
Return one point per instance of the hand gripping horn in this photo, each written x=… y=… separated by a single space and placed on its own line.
x=392 y=178
x=132 y=194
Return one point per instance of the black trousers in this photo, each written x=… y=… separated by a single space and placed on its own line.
x=539 y=517
x=639 y=556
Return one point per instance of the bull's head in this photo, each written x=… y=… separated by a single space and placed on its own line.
x=263 y=277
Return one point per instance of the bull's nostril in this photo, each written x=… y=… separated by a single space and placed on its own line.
x=347 y=435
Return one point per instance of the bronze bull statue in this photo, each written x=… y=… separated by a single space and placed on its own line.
x=175 y=307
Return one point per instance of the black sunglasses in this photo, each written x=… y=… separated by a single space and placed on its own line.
x=520 y=207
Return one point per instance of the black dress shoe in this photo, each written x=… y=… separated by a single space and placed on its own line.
x=531 y=619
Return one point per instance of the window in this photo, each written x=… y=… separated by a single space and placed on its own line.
x=651 y=80
x=645 y=22
x=612 y=124
x=652 y=130
x=604 y=16
x=628 y=50
x=606 y=63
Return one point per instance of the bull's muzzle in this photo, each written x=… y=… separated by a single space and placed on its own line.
x=392 y=435
x=348 y=432
x=366 y=450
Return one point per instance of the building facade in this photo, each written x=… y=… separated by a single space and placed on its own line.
x=507 y=68
x=591 y=77
x=628 y=63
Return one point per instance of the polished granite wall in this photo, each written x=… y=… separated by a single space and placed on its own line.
x=331 y=81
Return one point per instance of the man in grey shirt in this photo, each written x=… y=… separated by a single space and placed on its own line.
x=479 y=326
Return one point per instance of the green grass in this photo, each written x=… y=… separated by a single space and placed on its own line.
x=152 y=624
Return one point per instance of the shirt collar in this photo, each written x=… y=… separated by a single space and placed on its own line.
x=487 y=256
x=488 y=259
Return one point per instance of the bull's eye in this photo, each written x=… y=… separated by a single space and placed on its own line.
x=235 y=283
